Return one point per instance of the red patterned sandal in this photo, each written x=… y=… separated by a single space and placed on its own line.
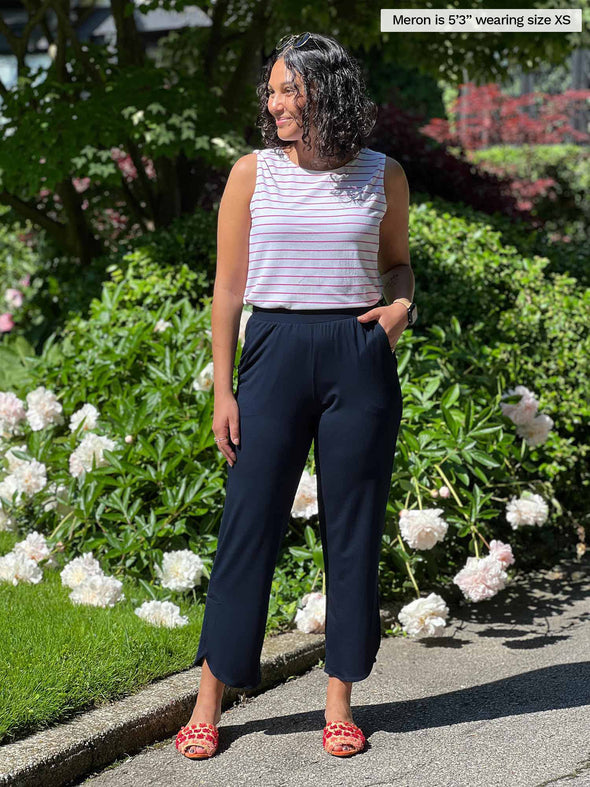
x=201 y=734
x=343 y=732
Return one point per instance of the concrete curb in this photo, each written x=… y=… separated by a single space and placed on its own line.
x=97 y=738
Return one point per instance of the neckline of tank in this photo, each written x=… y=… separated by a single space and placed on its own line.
x=318 y=171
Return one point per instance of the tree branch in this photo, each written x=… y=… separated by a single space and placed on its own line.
x=94 y=72
x=20 y=45
x=39 y=217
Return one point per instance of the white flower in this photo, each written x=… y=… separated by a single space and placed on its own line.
x=14 y=297
x=27 y=479
x=424 y=617
x=87 y=413
x=528 y=509
x=12 y=414
x=34 y=546
x=14 y=461
x=524 y=410
x=422 y=529
x=8 y=486
x=181 y=570
x=161 y=326
x=79 y=570
x=204 y=381
x=44 y=409
x=91 y=447
x=128 y=438
x=16 y=567
x=501 y=552
x=161 y=613
x=244 y=317
x=481 y=578
x=444 y=491
x=137 y=117
x=312 y=617
x=98 y=590
x=305 y=504
x=531 y=427
x=30 y=477
x=536 y=431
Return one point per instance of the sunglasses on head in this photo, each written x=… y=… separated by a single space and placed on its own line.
x=292 y=40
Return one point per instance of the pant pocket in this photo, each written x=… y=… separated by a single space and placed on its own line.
x=384 y=337
x=254 y=337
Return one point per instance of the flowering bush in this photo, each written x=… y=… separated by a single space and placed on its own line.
x=106 y=476
x=91 y=586
x=514 y=321
x=100 y=491
x=108 y=448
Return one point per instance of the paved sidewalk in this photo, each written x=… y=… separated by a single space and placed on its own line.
x=503 y=700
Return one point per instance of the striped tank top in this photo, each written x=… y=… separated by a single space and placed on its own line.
x=314 y=236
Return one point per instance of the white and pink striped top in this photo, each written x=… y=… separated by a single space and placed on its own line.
x=314 y=237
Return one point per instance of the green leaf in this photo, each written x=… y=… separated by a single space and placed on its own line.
x=309 y=535
x=450 y=395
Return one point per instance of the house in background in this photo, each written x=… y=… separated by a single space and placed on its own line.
x=93 y=22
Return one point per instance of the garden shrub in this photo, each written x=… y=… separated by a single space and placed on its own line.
x=525 y=320
x=60 y=288
x=490 y=321
x=565 y=166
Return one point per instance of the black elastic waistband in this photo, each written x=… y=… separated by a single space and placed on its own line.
x=281 y=314
x=352 y=310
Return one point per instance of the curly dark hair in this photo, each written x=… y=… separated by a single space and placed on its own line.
x=343 y=113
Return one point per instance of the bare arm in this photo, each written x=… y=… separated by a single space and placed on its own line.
x=393 y=258
x=394 y=250
x=233 y=230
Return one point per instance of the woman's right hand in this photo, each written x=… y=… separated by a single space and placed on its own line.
x=226 y=425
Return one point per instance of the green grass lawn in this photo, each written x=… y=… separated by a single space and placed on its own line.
x=58 y=658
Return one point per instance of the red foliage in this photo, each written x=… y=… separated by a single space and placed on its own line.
x=431 y=169
x=484 y=116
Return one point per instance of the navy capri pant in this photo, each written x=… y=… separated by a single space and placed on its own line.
x=305 y=376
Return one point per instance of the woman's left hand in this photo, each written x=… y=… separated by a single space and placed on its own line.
x=393 y=319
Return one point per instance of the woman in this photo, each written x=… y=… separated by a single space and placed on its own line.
x=313 y=231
